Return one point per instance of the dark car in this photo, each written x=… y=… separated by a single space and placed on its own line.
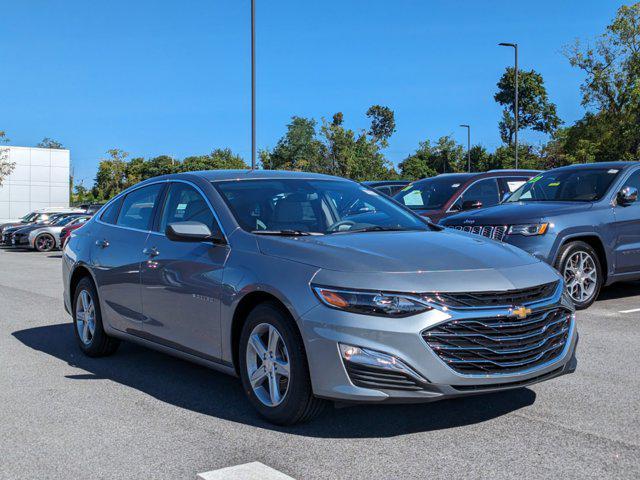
x=582 y=219
x=388 y=187
x=449 y=193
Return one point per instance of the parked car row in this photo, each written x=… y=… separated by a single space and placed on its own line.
x=42 y=230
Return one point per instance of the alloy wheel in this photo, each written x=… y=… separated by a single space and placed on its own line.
x=44 y=243
x=85 y=317
x=581 y=276
x=268 y=364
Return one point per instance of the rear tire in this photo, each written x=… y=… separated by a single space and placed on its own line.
x=580 y=267
x=87 y=322
x=295 y=402
x=44 y=242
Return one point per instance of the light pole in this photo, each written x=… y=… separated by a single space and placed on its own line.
x=468 y=146
x=515 y=112
x=253 y=84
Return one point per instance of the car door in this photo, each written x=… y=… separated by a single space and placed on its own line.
x=182 y=281
x=117 y=253
x=628 y=231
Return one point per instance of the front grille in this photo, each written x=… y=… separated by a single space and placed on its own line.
x=495 y=232
x=501 y=344
x=505 y=298
x=371 y=377
x=520 y=383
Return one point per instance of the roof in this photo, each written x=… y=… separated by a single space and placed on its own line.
x=582 y=166
x=212 y=175
x=380 y=183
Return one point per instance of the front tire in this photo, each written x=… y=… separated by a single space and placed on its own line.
x=580 y=266
x=87 y=321
x=273 y=367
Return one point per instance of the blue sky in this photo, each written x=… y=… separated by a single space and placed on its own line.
x=172 y=77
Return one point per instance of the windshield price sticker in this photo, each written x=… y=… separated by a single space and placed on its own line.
x=535 y=179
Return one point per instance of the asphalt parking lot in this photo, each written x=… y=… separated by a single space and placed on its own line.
x=141 y=414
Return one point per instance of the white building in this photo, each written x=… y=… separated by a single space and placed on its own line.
x=40 y=179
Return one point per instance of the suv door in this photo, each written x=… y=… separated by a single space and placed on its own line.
x=182 y=281
x=116 y=255
x=627 y=250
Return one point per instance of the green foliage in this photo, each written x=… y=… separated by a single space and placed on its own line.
x=610 y=130
x=446 y=156
x=6 y=167
x=535 y=111
x=335 y=149
x=50 y=143
x=116 y=173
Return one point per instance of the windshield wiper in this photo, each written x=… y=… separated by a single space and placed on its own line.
x=376 y=228
x=285 y=233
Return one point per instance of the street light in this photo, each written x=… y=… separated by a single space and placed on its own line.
x=253 y=84
x=515 y=47
x=468 y=146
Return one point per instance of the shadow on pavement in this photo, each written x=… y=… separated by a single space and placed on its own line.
x=619 y=290
x=205 y=391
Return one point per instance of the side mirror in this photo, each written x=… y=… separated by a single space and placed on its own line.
x=627 y=196
x=191 y=232
x=471 y=204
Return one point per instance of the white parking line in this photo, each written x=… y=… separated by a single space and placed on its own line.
x=248 y=471
x=630 y=311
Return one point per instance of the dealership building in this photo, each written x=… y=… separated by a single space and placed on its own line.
x=40 y=179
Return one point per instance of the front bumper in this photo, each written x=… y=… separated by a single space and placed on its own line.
x=326 y=329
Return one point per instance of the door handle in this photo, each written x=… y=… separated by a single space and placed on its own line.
x=102 y=243
x=151 y=252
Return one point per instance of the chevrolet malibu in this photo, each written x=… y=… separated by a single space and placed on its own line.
x=313 y=288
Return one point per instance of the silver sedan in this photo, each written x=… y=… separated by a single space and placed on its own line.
x=313 y=288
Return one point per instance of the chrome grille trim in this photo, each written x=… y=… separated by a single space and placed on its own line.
x=502 y=345
x=495 y=232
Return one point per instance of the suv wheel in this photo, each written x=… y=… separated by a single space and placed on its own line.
x=273 y=367
x=579 y=265
x=44 y=242
x=87 y=319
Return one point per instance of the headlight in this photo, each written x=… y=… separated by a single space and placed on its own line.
x=528 y=230
x=371 y=303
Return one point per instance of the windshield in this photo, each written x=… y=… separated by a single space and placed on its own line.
x=29 y=217
x=579 y=185
x=430 y=194
x=64 y=221
x=313 y=207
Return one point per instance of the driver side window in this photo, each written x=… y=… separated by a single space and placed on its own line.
x=185 y=204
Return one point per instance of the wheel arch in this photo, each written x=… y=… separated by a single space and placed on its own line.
x=594 y=241
x=244 y=306
x=79 y=272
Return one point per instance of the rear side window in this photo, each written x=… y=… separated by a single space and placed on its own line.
x=137 y=207
x=110 y=215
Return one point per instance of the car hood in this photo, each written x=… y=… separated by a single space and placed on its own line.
x=431 y=251
x=516 y=213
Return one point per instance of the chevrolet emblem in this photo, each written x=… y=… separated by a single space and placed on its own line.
x=521 y=312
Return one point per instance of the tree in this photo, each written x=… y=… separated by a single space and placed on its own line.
x=610 y=129
x=535 y=111
x=6 y=167
x=383 y=124
x=418 y=165
x=482 y=160
x=297 y=150
x=219 y=159
x=446 y=156
x=111 y=178
x=50 y=143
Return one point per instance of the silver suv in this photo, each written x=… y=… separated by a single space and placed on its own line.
x=311 y=287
